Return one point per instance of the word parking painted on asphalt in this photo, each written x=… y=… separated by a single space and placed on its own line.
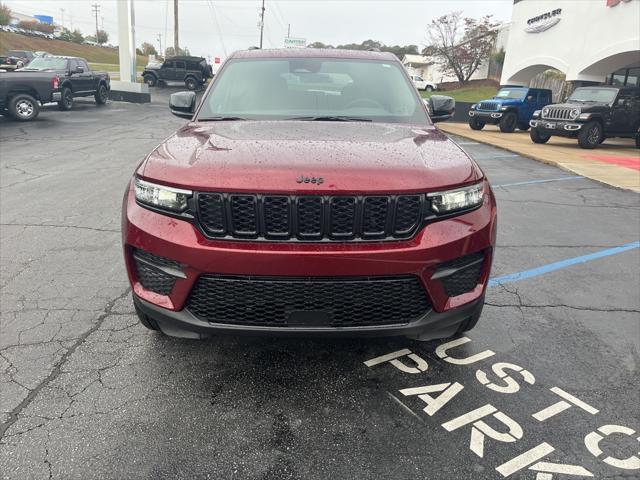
x=507 y=380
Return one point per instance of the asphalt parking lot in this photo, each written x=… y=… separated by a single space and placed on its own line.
x=86 y=392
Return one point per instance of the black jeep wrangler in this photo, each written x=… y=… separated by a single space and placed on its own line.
x=590 y=114
x=192 y=71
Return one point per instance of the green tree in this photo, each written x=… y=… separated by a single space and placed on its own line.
x=170 y=52
x=76 y=36
x=148 y=49
x=5 y=14
x=399 y=50
x=498 y=56
x=102 y=37
x=319 y=45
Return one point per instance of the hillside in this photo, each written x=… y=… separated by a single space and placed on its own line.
x=12 y=41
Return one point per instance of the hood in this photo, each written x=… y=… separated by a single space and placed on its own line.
x=269 y=156
x=505 y=101
x=582 y=106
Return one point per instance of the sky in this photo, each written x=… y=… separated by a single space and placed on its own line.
x=213 y=28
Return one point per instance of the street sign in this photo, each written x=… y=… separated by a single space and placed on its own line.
x=293 y=42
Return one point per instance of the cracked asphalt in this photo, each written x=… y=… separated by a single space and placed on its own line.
x=86 y=392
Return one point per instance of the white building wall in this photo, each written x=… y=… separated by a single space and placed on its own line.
x=590 y=40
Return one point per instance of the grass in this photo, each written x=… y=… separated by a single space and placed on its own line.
x=98 y=55
x=467 y=94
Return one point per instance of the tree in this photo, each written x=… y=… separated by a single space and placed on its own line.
x=5 y=14
x=76 y=36
x=148 y=49
x=36 y=26
x=319 y=45
x=399 y=50
x=170 y=52
x=102 y=37
x=459 y=44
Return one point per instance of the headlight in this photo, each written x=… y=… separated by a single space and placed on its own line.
x=574 y=113
x=160 y=196
x=458 y=199
x=545 y=112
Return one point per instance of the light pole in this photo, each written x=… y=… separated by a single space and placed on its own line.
x=261 y=23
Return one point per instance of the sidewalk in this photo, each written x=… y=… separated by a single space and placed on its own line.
x=616 y=162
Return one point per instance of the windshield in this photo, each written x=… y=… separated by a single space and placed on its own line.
x=44 y=63
x=517 y=93
x=304 y=88
x=601 y=95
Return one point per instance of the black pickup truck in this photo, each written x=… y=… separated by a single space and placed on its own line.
x=21 y=94
x=76 y=78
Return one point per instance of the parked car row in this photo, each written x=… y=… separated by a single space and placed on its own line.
x=590 y=115
x=50 y=79
x=24 y=31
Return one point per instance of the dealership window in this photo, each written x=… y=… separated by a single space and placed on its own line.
x=625 y=76
x=633 y=77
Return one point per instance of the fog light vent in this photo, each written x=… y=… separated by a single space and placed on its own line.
x=460 y=275
x=157 y=274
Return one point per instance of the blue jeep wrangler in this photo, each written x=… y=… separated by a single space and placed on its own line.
x=511 y=107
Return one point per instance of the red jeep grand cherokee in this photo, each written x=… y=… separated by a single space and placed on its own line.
x=309 y=194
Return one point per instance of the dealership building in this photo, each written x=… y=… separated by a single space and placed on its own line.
x=590 y=41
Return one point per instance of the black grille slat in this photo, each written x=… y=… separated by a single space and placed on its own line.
x=244 y=217
x=342 y=216
x=270 y=301
x=309 y=217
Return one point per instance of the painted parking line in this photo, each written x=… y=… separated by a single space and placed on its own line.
x=546 y=180
x=534 y=272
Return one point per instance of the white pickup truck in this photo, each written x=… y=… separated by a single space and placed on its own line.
x=422 y=84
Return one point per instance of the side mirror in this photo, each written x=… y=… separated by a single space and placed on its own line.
x=183 y=104
x=530 y=98
x=79 y=69
x=440 y=107
x=622 y=102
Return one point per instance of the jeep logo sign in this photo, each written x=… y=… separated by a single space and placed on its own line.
x=315 y=180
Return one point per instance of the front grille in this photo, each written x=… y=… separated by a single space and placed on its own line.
x=557 y=113
x=489 y=105
x=150 y=274
x=466 y=274
x=308 y=301
x=309 y=218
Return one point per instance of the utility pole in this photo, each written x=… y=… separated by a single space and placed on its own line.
x=288 y=30
x=96 y=11
x=160 y=42
x=261 y=23
x=62 y=17
x=176 y=44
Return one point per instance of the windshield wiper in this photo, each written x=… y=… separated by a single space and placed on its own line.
x=331 y=118
x=220 y=119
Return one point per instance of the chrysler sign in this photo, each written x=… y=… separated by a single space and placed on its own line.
x=543 y=22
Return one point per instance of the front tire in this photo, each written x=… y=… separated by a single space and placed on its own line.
x=67 y=100
x=638 y=140
x=150 y=80
x=476 y=124
x=23 y=107
x=523 y=126
x=508 y=122
x=537 y=137
x=590 y=135
x=191 y=83
x=102 y=95
x=428 y=88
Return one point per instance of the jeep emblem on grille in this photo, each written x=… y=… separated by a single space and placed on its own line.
x=316 y=180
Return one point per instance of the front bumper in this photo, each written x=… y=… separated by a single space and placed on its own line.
x=556 y=127
x=486 y=117
x=421 y=255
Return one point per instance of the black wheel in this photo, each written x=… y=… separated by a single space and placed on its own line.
x=23 y=107
x=475 y=124
x=523 y=126
x=144 y=319
x=508 y=122
x=428 y=88
x=150 y=80
x=470 y=322
x=638 y=140
x=191 y=83
x=590 y=135
x=67 y=99
x=537 y=137
x=102 y=95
